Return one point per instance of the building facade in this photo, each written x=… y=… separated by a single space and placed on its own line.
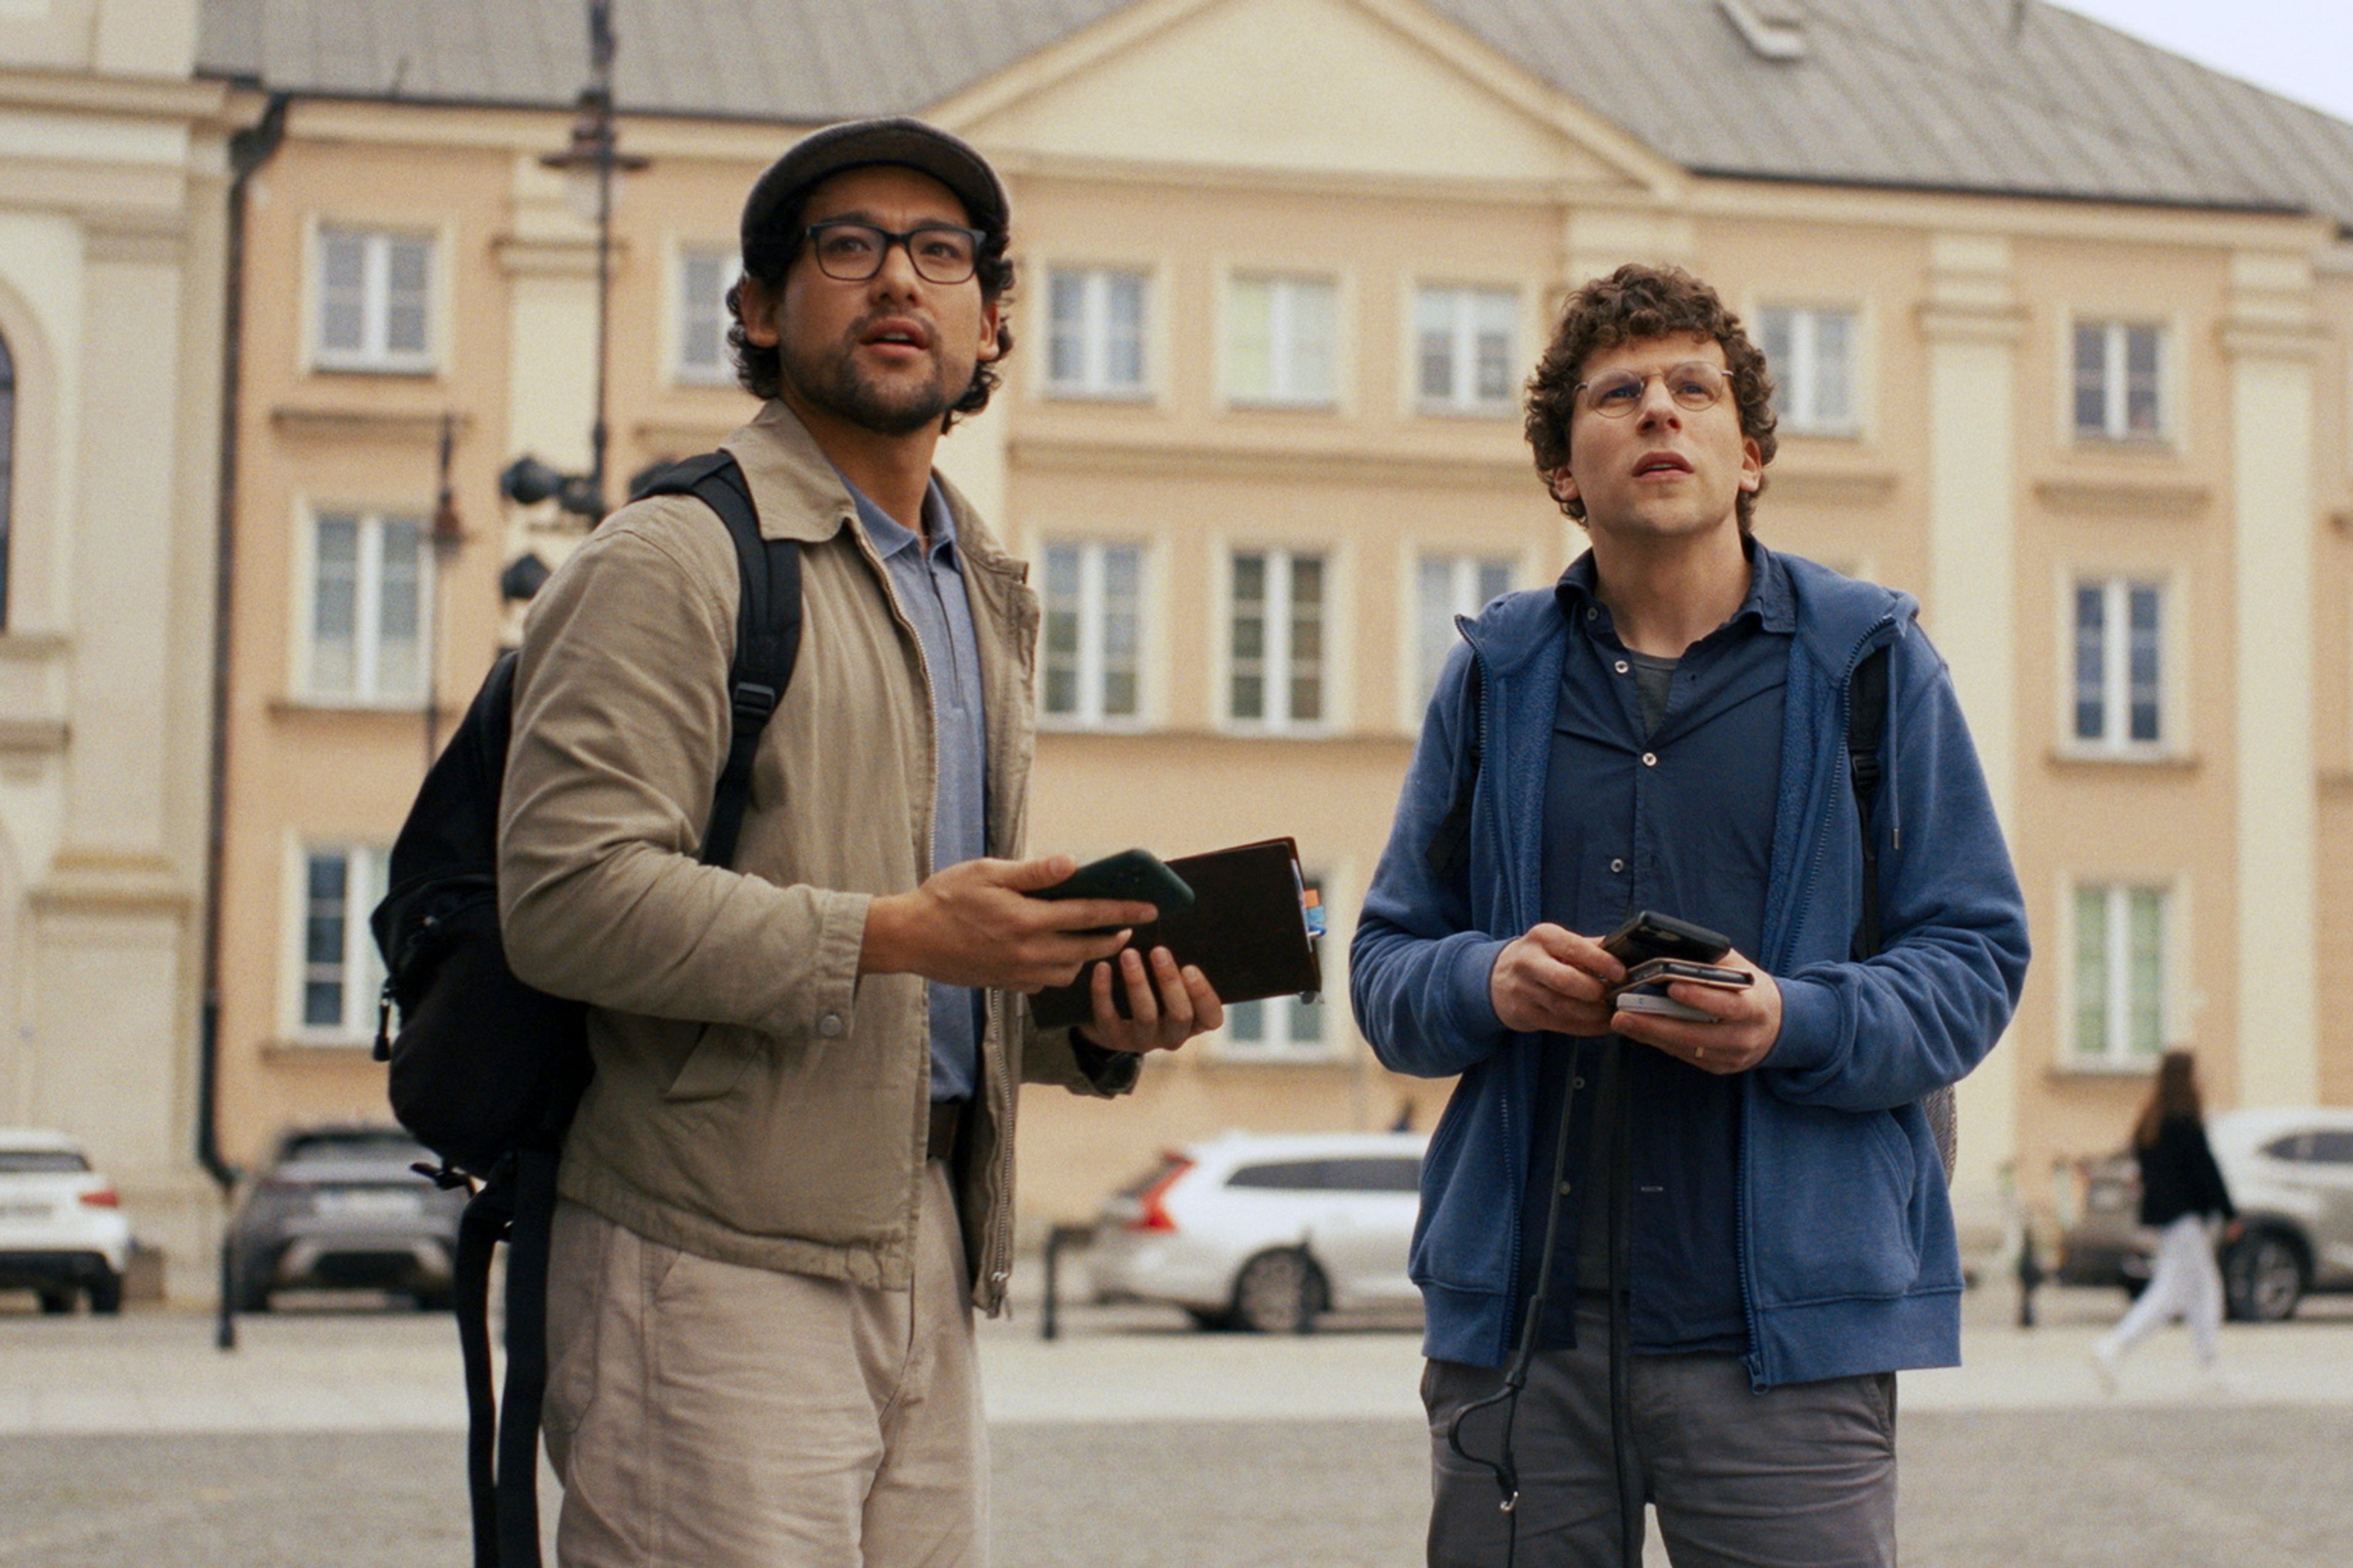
x=1284 y=265
x=113 y=173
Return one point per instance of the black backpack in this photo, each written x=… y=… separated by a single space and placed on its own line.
x=486 y=1071
x=1449 y=852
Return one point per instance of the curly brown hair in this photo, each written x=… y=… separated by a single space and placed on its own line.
x=760 y=370
x=1634 y=304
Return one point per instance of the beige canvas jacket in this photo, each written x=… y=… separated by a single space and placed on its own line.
x=754 y=1101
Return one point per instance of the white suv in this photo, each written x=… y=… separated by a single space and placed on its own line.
x=1266 y=1232
x=62 y=1231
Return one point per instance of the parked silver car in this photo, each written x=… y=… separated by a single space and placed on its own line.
x=1264 y=1233
x=341 y=1208
x=2290 y=1176
x=62 y=1230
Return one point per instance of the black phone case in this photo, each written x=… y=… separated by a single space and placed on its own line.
x=1136 y=874
x=1654 y=935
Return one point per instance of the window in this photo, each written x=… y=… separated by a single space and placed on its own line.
x=2119 y=973
x=1811 y=354
x=1283 y=345
x=373 y=293
x=1095 y=333
x=1275 y=639
x=369 y=594
x=704 y=279
x=1463 y=347
x=2117 y=382
x=1447 y=587
x=341 y=974
x=1093 y=633
x=2119 y=665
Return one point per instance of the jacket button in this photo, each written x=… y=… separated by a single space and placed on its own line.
x=1618 y=866
x=1650 y=759
x=1621 y=667
x=829 y=1025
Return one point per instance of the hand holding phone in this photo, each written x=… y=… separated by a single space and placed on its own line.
x=1136 y=874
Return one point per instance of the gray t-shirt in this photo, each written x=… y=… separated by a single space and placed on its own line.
x=1653 y=678
x=930 y=589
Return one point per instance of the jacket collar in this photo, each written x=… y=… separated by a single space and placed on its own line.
x=1831 y=616
x=800 y=495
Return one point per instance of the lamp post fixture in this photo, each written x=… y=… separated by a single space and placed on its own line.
x=589 y=163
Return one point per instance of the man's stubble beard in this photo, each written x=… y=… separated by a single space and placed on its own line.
x=832 y=382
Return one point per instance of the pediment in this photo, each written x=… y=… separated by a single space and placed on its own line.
x=1354 y=87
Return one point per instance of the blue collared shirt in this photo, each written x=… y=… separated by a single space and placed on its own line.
x=1676 y=818
x=930 y=589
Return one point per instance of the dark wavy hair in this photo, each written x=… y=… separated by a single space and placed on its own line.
x=760 y=370
x=1634 y=304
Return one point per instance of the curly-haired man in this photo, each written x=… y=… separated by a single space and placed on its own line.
x=790 y=1183
x=1755 y=1181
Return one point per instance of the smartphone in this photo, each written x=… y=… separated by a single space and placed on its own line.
x=1654 y=935
x=1135 y=874
x=1661 y=1005
x=1659 y=971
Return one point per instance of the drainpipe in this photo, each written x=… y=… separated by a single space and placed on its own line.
x=248 y=151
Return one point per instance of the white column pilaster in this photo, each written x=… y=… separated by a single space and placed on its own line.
x=2270 y=340
x=1971 y=323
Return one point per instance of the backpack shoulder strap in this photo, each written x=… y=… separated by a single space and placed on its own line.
x=767 y=630
x=1866 y=731
x=1866 y=726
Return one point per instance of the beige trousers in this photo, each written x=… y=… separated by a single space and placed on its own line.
x=701 y=1414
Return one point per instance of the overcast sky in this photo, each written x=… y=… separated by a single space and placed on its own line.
x=2302 y=48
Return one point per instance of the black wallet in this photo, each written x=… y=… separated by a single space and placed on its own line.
x=1246 y=931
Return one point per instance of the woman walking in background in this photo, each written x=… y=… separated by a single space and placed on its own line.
x=2181 y=1187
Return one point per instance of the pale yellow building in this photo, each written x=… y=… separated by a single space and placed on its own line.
x=114 y=165
x=2082 y=388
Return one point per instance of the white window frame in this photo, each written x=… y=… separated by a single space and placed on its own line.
x=367 y=622
x=2116 y=684
x=1283 y=309
x=1093 y=607
x=1277 y=665
x=1277 y=1014
x=1798 y=382
x=1463 y=302
x=1464 y=568
x=373 y=353
x=1094 y=381
x=2116 y=1001
x=358 y=969
x=2114 y=427
x=684 y=373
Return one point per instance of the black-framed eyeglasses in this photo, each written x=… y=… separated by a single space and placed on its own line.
x=849 y=250
x=1695 y=384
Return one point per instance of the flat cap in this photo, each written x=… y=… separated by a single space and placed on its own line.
x=854 y=144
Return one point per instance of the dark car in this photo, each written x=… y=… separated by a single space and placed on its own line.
x=339 y=1208
x=2290 y=1174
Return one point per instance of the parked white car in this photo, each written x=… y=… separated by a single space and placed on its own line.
x=1264 y=1233
x=62 y=1230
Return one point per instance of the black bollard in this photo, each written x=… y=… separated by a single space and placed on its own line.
x=2030 y=1275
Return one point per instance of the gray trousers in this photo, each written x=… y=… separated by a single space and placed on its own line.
x=1801 y=1476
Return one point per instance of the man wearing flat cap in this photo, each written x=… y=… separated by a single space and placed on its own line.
x=790 y=1182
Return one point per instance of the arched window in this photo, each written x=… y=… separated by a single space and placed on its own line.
x=7 y=467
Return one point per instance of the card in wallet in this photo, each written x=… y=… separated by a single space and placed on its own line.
x=1246 y=930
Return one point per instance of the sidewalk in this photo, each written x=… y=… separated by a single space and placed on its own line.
x=399 y=1371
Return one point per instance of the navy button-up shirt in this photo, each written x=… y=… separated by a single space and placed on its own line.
x=930 y=588
x=1675 y=818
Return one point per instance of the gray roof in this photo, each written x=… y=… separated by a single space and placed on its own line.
x=1934 y=94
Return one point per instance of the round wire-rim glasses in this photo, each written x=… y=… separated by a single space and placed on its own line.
x=1694 y=386
x=849 y=250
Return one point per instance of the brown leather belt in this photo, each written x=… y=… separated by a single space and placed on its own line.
x=947 y=1115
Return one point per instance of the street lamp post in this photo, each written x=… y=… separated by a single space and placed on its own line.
x=589 y=163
